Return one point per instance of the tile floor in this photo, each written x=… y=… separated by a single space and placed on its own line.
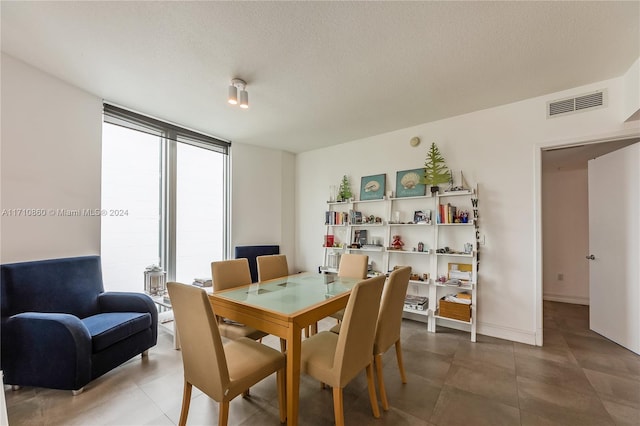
x=577 y=378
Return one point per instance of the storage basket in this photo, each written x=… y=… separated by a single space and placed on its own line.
x=458 y=311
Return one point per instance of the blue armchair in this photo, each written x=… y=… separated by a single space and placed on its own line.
x=59 y=328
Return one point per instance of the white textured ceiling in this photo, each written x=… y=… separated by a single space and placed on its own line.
x=321 y=73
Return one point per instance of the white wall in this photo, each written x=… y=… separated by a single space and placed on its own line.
x=51 y=143
x=496 y=148
x=565 y=235
x=631 y=107
x=263 y=199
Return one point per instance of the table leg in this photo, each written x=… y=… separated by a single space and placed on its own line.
x=293 y=372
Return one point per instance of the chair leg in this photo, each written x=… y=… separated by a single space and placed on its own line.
x=338 y=406
x=307 y=331
x=15 y=387
x=282 y=400
x=246 y=393
x=223 y=416
x=77 y=391
x=400 y=362
x=372 y=391
x=186 y=400
x=283 y=345
x=377 y=360
x=145 y=353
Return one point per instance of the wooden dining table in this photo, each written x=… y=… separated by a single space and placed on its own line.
x=284 y=307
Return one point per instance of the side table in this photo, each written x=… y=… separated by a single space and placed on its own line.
x=165 y=317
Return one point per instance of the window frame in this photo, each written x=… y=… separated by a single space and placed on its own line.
x=170 y=135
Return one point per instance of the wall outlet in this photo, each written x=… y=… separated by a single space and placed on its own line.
x=560 y=277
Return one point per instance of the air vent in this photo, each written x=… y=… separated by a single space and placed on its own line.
x=580 y=103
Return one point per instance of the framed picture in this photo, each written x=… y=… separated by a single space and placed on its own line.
x=422 y=216
x=408 y=183
x=372 y=187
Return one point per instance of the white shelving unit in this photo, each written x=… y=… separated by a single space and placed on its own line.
x=433 y=236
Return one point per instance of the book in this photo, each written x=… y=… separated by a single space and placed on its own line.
x=202 y=282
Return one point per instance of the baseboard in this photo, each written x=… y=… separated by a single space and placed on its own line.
x=507 y=333
x=576 y=300
x=497 y=331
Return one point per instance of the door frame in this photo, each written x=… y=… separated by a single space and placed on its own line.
x=537 y=203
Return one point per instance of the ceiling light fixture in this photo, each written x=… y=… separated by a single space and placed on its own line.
x=236 y=84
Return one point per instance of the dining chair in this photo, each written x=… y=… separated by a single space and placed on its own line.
x=228 y=274
x=388 y=326
x=272 y=266
x=220 y=371
x=351 y=266
x=335 y=359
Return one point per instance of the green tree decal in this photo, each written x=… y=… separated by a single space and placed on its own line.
x=345 y=189
x=435 y=168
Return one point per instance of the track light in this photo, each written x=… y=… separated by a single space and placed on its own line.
x=244 y=99
x=236 y=84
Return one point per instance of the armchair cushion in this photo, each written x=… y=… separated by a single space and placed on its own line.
x=110 y=328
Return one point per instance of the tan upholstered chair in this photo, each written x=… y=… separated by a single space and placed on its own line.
x=335 y=359
x=228 y=274
x=351 y=266
x=220 y=371
x=272 y=266
x=388 y=325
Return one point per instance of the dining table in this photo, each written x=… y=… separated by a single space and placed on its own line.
x=284 y=307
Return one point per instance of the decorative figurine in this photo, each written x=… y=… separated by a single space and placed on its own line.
x=397 y=243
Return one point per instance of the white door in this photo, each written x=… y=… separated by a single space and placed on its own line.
x=614 y=235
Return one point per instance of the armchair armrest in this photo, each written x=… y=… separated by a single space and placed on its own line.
x=116 y=301
x=46 y=349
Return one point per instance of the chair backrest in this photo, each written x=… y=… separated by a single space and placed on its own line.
x=391 y=307
x=230 y=273
x=272 y=266
x=68 y=286
x=203 y=358
x=353 y=265
x=354 y=350
x=251 y=252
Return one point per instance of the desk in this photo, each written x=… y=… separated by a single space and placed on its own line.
x=284 y=307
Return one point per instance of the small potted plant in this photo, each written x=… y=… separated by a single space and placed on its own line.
x=435 y=169
x=344 y=193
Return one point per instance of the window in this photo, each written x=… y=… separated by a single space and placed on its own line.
x=165 y=191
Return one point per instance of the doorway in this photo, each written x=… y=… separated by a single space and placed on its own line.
x=564 y=219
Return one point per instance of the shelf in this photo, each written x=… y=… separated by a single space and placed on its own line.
x=453 y=319
x=433 y=235
x=469 y=255
x=424 y=253
x=468 y=286
x=368 y=249
x=417 y=197
x=333 y=224
x=418 y=312
x=370 y=201
x=457 y=193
